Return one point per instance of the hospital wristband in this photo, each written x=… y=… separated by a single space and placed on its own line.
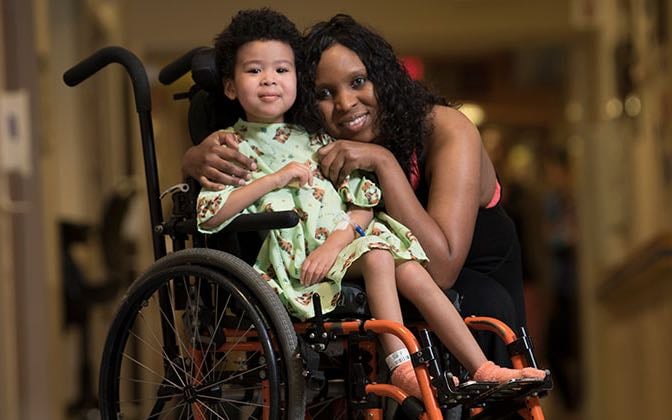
x=396 y=358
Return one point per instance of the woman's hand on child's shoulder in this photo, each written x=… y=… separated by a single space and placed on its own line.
x=216 y=161
x=339 y=158
x=294 y=175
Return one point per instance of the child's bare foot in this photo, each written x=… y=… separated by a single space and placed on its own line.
x=403 y=376
x=490 y=372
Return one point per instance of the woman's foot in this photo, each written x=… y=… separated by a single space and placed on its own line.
x=403 y=376
x=490 y=372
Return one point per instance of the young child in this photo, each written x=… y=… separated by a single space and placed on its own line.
x=259 y=56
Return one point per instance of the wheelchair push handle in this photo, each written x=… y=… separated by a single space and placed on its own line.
x=178 y=68
x=101 y=58
x=143 y=104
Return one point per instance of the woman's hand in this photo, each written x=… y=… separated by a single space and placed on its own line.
x=216 y=161
x=318 y=263
x=294 y=175
x=339 y=158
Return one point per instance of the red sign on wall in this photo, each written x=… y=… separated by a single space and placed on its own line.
x=414 y=66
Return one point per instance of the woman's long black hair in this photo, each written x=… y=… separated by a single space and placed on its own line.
x=404 y=104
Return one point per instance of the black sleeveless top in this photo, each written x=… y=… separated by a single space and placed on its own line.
x=494 y=234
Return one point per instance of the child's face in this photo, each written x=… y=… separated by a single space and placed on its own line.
x=346 y=96
x=264 y=80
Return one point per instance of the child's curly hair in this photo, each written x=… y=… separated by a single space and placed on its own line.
x=404 y=104
x=257 y=25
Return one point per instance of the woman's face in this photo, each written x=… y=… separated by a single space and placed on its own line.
x=345 y=95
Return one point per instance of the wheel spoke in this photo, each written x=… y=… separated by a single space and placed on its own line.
x=151 y=370
x=139 y=381
x=221 y=406
x=161 y=353
x=322 y=405
x=243 y=403
x=216 y=327
x=156 y=338
x=195 y=343
x=171 y=295
x=211 y=410
x=228 y=351
x=137 y=400
x=223 y=381
x=170 y=410
x=229 y=400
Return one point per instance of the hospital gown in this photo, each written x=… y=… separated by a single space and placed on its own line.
x=320 y=207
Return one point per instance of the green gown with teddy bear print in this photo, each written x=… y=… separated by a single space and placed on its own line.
x=320 y=208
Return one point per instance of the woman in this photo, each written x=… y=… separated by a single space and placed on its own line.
x=435 y=175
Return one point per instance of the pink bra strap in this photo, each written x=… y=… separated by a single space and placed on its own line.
x=495 y=197
x=415 y=172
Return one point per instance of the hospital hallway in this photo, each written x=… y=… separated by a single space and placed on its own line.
x=573 y=102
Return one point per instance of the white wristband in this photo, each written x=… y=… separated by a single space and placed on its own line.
x=396 y=358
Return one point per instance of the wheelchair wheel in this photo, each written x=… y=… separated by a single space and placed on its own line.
x=201 y=336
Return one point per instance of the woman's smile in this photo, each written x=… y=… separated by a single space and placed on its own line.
x=356 y=122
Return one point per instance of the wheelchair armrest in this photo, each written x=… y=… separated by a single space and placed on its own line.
x=263 y=221
x=242 y=223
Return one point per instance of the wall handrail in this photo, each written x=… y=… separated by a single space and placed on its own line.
x=625 y=274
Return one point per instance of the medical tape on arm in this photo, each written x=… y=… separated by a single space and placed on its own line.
x=346 y=222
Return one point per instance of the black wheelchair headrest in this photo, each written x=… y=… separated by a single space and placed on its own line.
x=204 y=70
x=209 y=112
x=202 y=64
x=209 y=109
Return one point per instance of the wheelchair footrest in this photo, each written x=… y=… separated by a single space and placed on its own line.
x=475 y=393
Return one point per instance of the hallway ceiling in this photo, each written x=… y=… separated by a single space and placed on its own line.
x=422 y=27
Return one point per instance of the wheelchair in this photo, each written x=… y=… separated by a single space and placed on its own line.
x=200 y=335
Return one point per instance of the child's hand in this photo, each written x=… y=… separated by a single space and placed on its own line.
x=317 y=264
x=294 y=174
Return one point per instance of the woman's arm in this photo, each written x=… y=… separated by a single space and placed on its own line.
x=453 y=171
